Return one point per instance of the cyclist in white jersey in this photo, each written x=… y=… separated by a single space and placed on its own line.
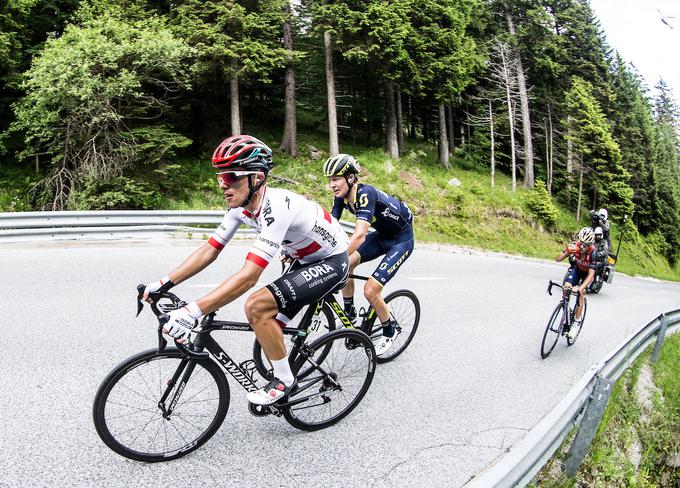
x=286 y=222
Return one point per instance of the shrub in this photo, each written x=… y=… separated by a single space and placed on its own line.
x=540 y=204
x=119 y=193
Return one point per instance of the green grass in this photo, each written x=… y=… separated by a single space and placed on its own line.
x=470 y=215
x=624 y=429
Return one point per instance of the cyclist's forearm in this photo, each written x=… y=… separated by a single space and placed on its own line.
x=355 y=243
x=194 y=264
x=359 y=236
x=232 y=288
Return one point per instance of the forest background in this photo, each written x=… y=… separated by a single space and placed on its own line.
x=501 y=123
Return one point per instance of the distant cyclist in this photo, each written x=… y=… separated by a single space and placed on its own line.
x=282 y=219
x=583 y=260
x=392 y=239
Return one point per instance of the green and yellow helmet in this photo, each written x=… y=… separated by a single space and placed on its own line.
x=340 y=165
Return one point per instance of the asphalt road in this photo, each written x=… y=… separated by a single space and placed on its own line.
x=471 y=384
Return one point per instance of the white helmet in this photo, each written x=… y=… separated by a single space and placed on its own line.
x=602 y=213
x=586 y=236
x=598 y=232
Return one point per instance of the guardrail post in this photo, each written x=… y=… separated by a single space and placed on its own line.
x=588 y=428
x=659 y=337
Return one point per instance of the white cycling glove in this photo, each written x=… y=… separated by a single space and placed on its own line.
x=155 y=286
x=183 y=321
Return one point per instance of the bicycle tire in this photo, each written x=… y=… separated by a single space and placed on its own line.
x=596 y=285
x=133 y=378
x=578 y=323
x=404 y=308
x=341 y=380
x=552 y=331
x=326 y=325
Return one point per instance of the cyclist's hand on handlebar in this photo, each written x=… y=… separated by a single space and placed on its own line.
x=182 y=322
x=161 y=285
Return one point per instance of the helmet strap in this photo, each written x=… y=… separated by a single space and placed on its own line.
x=252 y=189
x=350 y=184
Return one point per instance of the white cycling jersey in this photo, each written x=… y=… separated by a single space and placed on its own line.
x=303 y=228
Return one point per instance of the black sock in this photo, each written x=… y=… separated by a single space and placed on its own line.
x=349 y=303
x=388 y=328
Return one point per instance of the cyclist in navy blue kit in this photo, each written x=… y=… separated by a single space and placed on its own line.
x=392 y=239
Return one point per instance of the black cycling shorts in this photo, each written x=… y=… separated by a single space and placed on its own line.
x=309 y=283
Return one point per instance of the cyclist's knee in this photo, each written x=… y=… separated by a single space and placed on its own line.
x=259 y=305
x=372 y=290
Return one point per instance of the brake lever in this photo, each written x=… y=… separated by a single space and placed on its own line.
x=140 y=294
x=550 y=285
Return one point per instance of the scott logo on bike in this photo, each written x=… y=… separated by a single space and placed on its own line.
x=311 y=273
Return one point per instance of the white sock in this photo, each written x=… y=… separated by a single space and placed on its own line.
x=282 y=371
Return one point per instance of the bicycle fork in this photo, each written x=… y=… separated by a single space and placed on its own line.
x=182 y=368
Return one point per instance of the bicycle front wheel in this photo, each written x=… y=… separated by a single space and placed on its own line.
x=160 y=406
x=578 y=324
x=405 y=311
x=553 y=331
x=334 y=385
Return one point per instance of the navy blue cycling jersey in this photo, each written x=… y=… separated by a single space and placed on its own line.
x=387 y=215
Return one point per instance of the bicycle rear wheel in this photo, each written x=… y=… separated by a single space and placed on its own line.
x=321 y=324
x=553 y=331
x=130 y=418
x=405 y=311
x=578 y=323
x=334 y=386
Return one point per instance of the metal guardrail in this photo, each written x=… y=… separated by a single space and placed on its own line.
x=582 y=406
x=23 y=226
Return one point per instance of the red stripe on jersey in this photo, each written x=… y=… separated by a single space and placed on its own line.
x=254 y=258
x=247 y=214
x=214 y=243
x=306 y=251
x=326 y=215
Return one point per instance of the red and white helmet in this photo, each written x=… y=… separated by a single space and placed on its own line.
x=243 y=151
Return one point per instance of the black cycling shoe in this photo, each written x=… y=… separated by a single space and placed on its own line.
x=272 y=392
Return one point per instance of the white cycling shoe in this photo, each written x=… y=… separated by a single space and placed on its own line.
x=383 y=344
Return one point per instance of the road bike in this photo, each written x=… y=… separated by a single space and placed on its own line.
x=165 y=402
x=562 y=320
x=404 y=310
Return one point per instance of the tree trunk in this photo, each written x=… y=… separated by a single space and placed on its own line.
x=400 y=123
x=493 y=147
x=449 y=127
x=334 y=148
x=570 y=148
x=547 y=153
x=524 y=104
x=391 y=122
x=235 y=105
x=580 y=190
x=289 y=140
x=443 y=138
x=550 y=152
x=412 y=120
x=508 y=98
